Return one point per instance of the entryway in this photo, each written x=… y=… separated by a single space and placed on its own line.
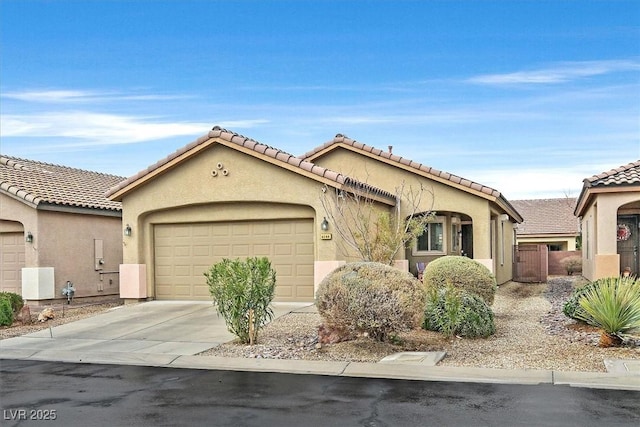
x=628 y=241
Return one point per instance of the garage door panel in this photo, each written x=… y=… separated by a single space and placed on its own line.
x=201 y=250
x=283 y=249
x=303 y=270
x=12 y=260
x=304 y=249
x=182 y=231
x=304 y=227
x=288 y=244
x=240 y=230
x=305 y=293
x=220 y=230
x=284 y=271
x=200 y=231
x=262 y=229
x=262 y=249
x=221 y=251
x=181 y=251
x=201 y=292
x=240 y=251
x=282 y=229
x=284 y=292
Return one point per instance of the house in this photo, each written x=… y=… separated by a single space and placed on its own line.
x=225 y=195
x=609 y=212
x=56 y=226
x=548 y=222
x=471 y=219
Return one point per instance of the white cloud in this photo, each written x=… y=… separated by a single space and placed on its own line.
x=561 y=73
x=91 y=129
x=83 y=96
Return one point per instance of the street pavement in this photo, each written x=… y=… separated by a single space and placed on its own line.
x=70 y=394
x=171 y=334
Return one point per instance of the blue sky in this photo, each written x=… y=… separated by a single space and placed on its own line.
x=527 y=97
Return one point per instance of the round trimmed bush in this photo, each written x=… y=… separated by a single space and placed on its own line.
x=462 y=273
x=455 y=312
x=372 y=298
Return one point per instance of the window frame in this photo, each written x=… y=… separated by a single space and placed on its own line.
x=438 y=220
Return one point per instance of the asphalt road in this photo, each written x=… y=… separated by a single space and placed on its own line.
x=52 y=393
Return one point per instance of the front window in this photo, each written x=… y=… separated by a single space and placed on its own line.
x=432 y=240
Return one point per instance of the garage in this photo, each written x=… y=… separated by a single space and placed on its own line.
x=11 y=262
x=183 y=252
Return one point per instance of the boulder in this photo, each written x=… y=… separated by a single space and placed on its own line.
x=46 y=314
x=24 y=315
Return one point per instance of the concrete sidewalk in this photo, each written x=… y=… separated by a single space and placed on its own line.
x=170 y=334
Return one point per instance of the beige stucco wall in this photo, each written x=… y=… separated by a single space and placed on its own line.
x=599 y=228
x=438 y=197
x=65 y=242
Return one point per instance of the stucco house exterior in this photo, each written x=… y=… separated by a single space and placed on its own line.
x=609 y=212
x=548 y=222
x=226 y=195
x=56 y=225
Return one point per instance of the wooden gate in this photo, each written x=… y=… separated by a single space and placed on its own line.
x=531 y=263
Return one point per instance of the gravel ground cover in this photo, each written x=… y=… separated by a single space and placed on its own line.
x=63 y=314
x=531 y=333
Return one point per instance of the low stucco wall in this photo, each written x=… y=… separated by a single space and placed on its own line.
x=555 y=261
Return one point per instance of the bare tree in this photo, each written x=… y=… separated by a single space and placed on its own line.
x=374 y=231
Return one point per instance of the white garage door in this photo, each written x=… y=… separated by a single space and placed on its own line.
x=11 y=262
x=183 y=252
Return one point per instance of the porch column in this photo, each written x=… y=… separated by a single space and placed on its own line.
x=482 y=239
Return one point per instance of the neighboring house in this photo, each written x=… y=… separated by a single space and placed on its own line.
x=56 y=225
x=609 y=211
x=548 y=222
x=225 y=195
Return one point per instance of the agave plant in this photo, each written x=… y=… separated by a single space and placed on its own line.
x=614 y=307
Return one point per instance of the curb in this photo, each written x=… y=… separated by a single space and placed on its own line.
x=399 y=371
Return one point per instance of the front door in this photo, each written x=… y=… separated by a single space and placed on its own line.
x=467 y=240
x=628 y=241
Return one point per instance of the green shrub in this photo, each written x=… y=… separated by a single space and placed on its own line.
x=462 y=273
x=573 y=303
x=612 y=305
x=242 y=292
x=455 y=312
x=6 y=313
x=372 y=298
x=15 y=300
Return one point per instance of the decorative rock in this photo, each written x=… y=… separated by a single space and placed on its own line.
x=330 y=336
x=46 y=314
x=24 y=316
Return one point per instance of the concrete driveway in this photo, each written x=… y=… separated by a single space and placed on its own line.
x=154 y=331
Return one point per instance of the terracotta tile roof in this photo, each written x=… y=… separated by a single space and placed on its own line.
x=623 y=178
x=547 y=216
x=419 y=167
x=277 y=156
x=40 y=183
x=628 y=174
